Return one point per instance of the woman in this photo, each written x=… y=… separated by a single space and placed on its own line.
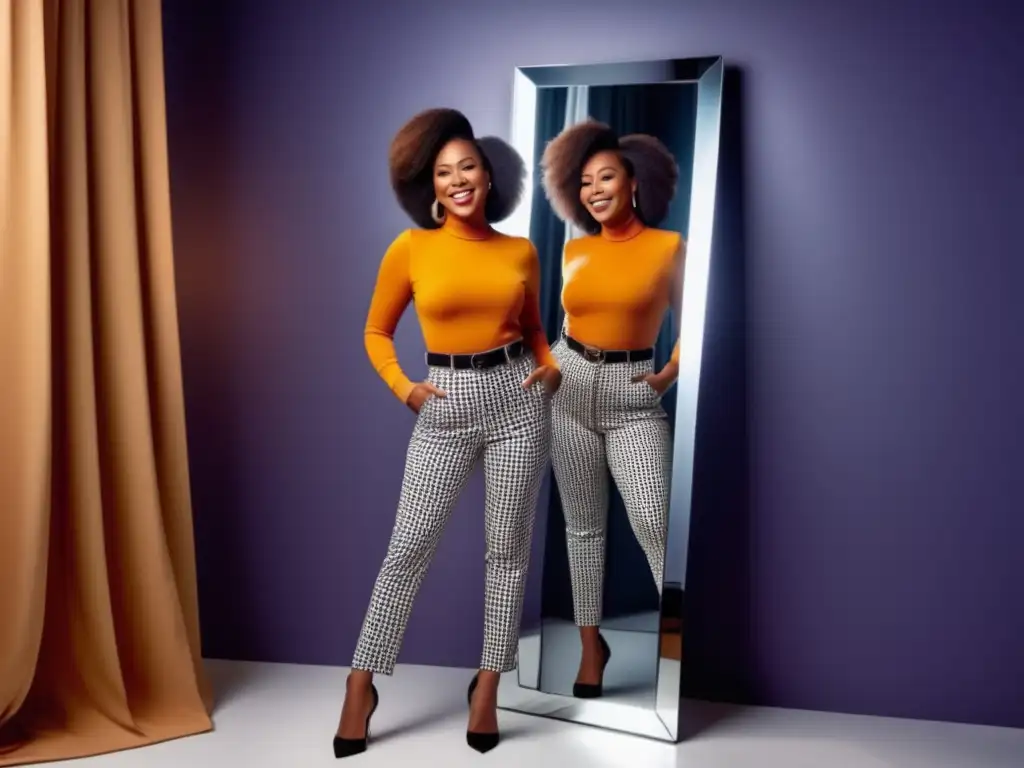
x=476 y=296
x=618 y=281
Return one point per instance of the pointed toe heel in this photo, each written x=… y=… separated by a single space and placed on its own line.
x=481 y=742
x=350 y=747
x=594 y=690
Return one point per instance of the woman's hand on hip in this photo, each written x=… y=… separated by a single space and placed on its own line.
x=549 y=375
x=661 y=381
x=420 y=393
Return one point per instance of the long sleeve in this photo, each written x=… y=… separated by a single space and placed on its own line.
x=677 y=295
x=391 y=296
x=529 y=320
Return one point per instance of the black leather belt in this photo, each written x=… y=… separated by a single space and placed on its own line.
x=479 y=361
x=595 y=355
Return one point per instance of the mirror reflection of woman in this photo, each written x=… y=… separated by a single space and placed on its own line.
x=486 y=395
x=618 y=281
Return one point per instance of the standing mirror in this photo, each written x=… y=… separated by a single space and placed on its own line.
x=679 y=103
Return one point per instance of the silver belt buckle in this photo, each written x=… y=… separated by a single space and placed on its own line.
x=593 y=354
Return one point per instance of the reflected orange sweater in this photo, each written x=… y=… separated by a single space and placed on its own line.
x=617 y=285
x=473 y=292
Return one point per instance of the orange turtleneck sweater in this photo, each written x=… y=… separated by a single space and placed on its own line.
x=474 y=291
x=617 y=285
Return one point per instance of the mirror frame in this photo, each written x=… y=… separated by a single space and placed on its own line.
x=519 y=691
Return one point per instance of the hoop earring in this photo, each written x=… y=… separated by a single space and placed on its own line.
x=437 y=212
x=634 y=198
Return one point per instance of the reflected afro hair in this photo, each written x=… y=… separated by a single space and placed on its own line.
x=415 y=148
x=645 y=158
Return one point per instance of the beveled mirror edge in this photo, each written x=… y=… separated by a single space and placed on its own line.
x=692 y=324
x=707 y=73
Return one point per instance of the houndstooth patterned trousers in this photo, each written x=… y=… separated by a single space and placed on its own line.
x=485 y=413
x=601 y=420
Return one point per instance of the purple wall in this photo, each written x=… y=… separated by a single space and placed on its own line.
x=860 y=554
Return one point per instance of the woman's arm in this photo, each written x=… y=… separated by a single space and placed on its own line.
x=529 y=320
x=391 y=296
x=671 y=369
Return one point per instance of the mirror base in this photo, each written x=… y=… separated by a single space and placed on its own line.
x=608 y=715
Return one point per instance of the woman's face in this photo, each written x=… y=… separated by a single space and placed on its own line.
x=606 y=190
x=460 y=180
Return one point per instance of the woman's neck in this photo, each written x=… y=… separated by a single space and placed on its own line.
x=465 y=229
x=627 y=229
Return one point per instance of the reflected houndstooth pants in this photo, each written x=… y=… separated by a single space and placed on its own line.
x=601 y=420
x=485 y=413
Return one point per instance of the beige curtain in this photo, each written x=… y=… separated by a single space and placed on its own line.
x=99 y=630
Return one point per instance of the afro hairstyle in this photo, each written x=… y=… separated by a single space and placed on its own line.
x=646 y=159
x=415 y=148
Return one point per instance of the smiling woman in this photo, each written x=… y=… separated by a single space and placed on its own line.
x=486 y=395
x=436 y=155
x=618 y=282
x=459 y=176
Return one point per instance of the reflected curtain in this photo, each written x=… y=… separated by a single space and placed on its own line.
x=547 y=231
x=99 y=635
x=577 y=105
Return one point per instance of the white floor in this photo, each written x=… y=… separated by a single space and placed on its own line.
x=285 y=715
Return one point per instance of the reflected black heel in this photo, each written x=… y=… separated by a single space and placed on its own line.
x=481 y=742
x=349 y=747
x=591 y=690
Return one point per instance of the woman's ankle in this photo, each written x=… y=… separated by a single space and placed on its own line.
x=359 y=680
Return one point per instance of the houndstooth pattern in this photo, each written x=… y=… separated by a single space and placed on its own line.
x=485 y=413
x=602 y=420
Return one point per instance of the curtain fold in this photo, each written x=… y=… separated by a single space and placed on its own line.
x=547 y=231
x=577 y=109
x=99 y=643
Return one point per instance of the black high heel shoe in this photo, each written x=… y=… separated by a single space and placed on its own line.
x=481 y=742
x=592 y=690
x=349 y=747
